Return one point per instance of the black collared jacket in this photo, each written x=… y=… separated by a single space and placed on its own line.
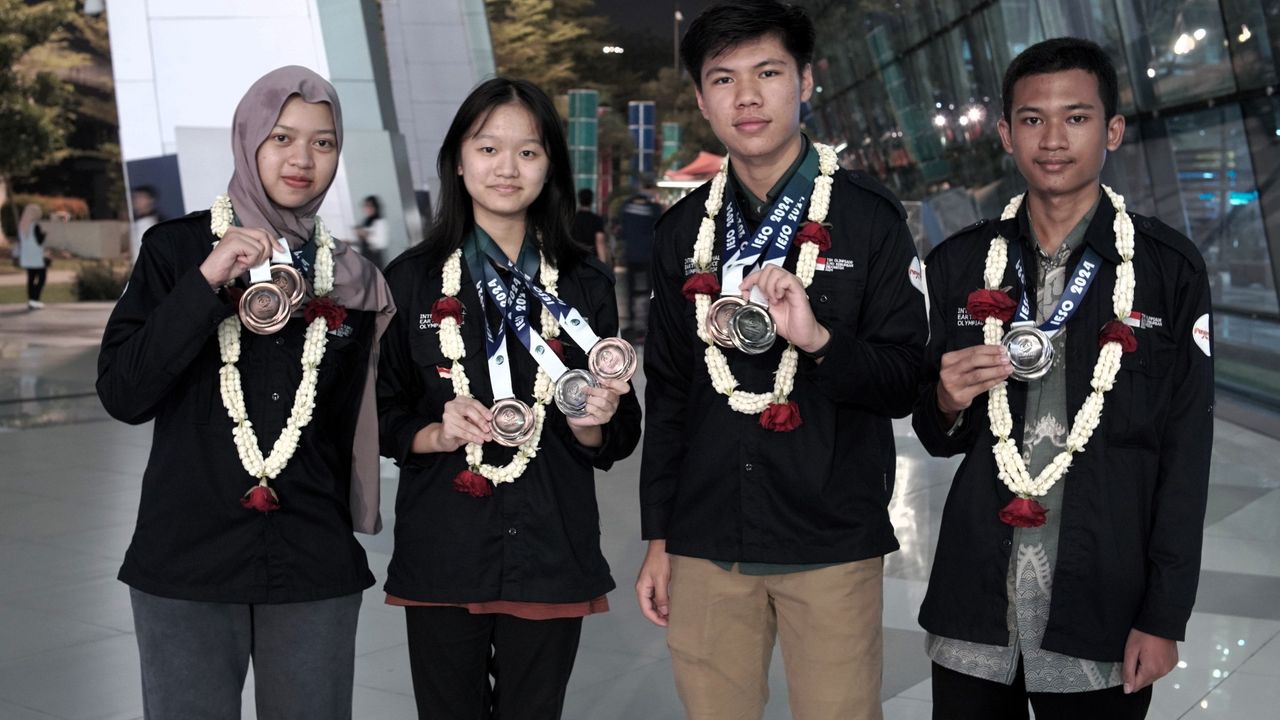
x=534 y=540
x=1134 y=499
x=160 y=361
x=714 y=483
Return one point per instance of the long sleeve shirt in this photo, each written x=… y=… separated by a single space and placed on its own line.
x=160 y=362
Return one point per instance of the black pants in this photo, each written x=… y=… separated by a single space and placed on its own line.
x=453 y=654
x=957 y=696
x=35 y=282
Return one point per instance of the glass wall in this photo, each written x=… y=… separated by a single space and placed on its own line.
x=911 y=90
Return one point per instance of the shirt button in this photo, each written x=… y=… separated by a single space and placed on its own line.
x=749 y=467
x=512 y=531
x=1006 y=543
x=275 y=396
x=279 y=341
x=823 y=298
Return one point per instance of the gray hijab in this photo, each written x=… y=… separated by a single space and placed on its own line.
x=357 y=284
x=256 y=114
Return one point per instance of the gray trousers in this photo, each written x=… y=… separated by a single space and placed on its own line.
x=195 y=656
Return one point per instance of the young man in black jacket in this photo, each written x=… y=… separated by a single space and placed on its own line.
x=768 y=469
x=1069 y=360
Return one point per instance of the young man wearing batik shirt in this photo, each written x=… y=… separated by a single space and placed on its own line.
x=1069 y=361
x=766 y=476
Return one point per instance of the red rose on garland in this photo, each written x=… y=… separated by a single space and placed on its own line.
x=704 y=283
x=557 y=347
x=261 y=498
x=325 y=307
x=1116 y=331
x=473 y=484
x=1023 y=513
x=816 y=233
x=781 y=417
x=983 y=304
x=447 y=307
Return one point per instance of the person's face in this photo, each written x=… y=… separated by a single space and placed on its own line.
x=503 y=164
x=1059 y=135
x=751 y=95
x=297 y=161
x=143 y=204
x=368 y=208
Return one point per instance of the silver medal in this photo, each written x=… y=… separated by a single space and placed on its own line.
x=752 y=329
x=1030 y=352
x=571 y=392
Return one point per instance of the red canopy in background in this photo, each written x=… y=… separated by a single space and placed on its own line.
x=702 y=168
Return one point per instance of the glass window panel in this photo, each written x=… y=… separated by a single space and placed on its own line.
x=1220 y=203
x=1129 y=174
x=1186 y=50
x=1098 y=21
x=1251 y=41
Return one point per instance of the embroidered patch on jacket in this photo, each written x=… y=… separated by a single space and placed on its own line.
x=832 y=264
x=343 y=330
x=445 y=373
x=1143 y=322
x=690 y=268
x=1202 y=336
x=915 y=272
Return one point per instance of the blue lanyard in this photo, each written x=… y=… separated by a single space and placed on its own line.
x=1072 y=296
x=511 y=300
x=772 y=239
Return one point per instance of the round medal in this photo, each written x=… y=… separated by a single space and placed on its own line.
x=752 y=329
x=264 y=308
x=1030 y=352
x=612 y=359
x=290 y=282
x=512 y=422
x=571 y=392
x=718 y=319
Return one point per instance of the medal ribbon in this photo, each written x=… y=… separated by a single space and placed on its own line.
x=513 y=306
x=571 y=321
x=773 y=237
x=1072 y=296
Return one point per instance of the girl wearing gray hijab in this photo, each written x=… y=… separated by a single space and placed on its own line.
x=250 y=338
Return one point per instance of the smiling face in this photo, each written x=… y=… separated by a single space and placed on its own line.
x=297 y=161
x=503 y=163
x=1059 y=135
x=751 y=94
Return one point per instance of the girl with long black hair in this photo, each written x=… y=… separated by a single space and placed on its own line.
x=497 y=555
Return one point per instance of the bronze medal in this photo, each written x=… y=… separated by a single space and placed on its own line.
x=718 y=319
x=612 y=359
x=264 y=308
x=290 y=283
x=512 y=422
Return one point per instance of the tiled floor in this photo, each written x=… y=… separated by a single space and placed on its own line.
x=68 y=491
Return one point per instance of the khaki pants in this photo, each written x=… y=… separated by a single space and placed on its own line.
x=722 y=628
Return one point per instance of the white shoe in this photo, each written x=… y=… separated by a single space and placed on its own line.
x=34 y=304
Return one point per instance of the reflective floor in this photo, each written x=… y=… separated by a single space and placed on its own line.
x=68 y=493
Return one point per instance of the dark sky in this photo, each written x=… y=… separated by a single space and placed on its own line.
x=654 y=16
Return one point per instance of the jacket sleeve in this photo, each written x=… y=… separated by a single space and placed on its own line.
x=1173 y=550
x=668 y=364
x=940 y=438
x=622 y=433
x=874 y=359
x=158 y=327
x=399 y=387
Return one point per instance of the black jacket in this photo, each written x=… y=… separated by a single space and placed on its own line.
x=1134 y=499
x=160 y=361
x=536 y=539
x=715 y=484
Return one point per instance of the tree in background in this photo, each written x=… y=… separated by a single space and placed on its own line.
x=32 y=129
x=89 y=166
x=536 y=39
